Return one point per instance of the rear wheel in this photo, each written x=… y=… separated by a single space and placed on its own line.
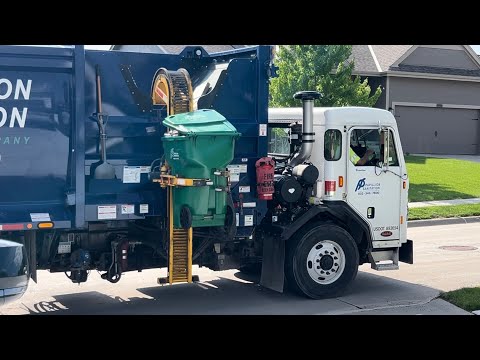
x=321 y=261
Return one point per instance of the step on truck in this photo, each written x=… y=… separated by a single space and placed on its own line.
x=119 y=161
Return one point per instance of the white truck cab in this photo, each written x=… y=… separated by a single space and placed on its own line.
x=361 y=169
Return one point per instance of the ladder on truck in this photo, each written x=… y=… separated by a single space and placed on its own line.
x=173 y=89
x=180 y=249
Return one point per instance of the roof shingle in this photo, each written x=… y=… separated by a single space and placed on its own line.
x=386 y=56
x=363 y=59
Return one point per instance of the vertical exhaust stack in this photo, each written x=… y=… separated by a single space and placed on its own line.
x=307 y=97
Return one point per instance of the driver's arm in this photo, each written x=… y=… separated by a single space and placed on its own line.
x=364 y=159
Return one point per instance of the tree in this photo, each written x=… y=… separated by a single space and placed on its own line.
x=323 y=68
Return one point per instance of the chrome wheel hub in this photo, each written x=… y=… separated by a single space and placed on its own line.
x=326 y=262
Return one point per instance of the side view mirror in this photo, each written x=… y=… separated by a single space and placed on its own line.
x=386 y=147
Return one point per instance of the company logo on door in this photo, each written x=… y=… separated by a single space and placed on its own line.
x=18 y=90
x=360 y=184
x=367 y=188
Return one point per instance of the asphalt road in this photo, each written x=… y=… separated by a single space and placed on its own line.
x=411 y=290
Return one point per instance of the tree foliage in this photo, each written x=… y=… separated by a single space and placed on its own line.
x=323 y=68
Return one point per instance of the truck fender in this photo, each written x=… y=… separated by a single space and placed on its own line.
x=273 y=260
x=306 y=217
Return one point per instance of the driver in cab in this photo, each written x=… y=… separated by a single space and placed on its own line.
x=369 y=156
x=361 y=161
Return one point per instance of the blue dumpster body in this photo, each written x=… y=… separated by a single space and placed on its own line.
x=49 y=136
x=62 y=217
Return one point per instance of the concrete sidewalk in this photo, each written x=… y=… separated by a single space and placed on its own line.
x=443 y=202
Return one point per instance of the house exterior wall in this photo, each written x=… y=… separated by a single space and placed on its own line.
x=447 y=58
x=434 y=91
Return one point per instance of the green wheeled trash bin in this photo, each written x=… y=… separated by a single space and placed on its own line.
x=200 y=145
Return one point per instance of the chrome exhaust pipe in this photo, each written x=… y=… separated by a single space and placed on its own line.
x=308 y=98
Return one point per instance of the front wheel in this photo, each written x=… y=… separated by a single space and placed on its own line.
x=321 y=261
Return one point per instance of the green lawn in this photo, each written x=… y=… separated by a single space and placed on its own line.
x=468 y=298
x=442 y=179
x=432 y=212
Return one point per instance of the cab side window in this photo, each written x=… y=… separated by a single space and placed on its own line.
x=365 y=147
x=333 y=145
x=368 y=146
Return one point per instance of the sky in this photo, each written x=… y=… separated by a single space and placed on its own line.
x=100 y=47
x=476 y=48
x=106 y=47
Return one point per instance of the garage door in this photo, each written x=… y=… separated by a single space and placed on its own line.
x=427 y=130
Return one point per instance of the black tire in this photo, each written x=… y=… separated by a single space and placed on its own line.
x=298 y=248
x=251 y=269
x=185 y=217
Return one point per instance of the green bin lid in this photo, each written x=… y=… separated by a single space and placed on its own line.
x=201 y=122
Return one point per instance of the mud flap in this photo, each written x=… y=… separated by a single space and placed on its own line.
x=406 y=252
x=273 y=263
x=31 y=246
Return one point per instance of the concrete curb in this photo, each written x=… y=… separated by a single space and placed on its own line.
x=447 y=221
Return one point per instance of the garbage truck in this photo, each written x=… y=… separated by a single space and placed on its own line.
x=120 y=161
